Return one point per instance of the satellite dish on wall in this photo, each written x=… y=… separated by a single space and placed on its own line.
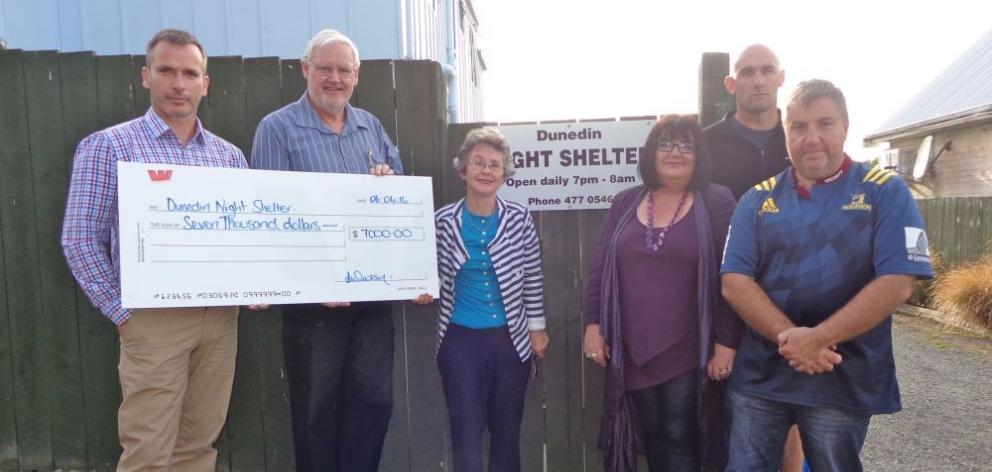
x=923 y=158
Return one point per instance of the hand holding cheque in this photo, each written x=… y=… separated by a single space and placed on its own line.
x=196 y=236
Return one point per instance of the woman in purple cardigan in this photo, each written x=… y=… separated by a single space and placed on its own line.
x=653 y=312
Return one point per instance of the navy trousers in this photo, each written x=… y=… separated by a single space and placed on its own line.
x=339 y=366
x=485 y=385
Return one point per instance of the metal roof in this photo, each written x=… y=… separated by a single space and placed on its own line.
x=964 y=88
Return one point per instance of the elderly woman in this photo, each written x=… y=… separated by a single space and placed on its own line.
x=491 y=306
x=653 y=312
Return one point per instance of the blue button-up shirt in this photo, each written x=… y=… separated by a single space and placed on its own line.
x=478 y=299
x=90 y=230
x=295 y=138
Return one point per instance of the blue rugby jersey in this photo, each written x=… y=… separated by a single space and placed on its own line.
x=812 y=255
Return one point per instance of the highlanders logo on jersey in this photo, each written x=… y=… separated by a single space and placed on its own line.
x=857 y=203
x=917 y=246
x=768 y=207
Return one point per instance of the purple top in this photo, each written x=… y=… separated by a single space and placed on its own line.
x=659 y=310
x=718 y=205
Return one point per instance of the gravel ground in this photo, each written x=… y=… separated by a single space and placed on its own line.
x=946 y=424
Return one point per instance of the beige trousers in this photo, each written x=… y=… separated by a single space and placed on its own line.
x=176 y=371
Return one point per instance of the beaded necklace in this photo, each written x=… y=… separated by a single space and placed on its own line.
x=648 y=239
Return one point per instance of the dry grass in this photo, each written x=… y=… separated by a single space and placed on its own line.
x=964 y=293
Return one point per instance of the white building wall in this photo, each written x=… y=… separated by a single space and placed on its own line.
x=382 y=29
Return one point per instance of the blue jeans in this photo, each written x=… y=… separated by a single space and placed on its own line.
x=832 y=438
x=339 y=367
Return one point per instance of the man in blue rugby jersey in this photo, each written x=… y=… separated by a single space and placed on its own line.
x=818 y=257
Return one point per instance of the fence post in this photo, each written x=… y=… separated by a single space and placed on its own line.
x=27 y=322
x=714 y=100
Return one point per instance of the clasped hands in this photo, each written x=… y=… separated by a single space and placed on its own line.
x=806 y=350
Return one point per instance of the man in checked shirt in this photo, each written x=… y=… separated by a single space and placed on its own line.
x=177 y=364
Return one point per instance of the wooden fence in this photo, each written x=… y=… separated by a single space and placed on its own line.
x=58 y=382
x=960 y=229
x=59 y=391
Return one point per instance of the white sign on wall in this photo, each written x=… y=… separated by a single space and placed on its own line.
x=573 y=166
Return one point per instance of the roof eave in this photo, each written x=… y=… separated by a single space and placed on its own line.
x=932 y=126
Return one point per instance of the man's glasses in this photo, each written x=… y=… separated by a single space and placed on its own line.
x=494 y=166
x=327 y=71
x=685 y=147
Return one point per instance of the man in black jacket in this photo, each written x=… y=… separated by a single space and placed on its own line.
x=748 y=145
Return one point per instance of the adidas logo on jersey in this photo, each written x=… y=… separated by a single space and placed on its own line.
x=768 y=206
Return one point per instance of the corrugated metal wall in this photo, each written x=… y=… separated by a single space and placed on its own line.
x=383 y=29
x=468 y=64
x=250 y=28
x=427 y=17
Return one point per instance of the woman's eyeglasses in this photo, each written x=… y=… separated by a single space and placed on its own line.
x=493 y=166
x=685 y=147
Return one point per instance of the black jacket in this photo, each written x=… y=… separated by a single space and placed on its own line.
x=737 y=163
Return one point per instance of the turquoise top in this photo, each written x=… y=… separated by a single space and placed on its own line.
x=478 y=301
